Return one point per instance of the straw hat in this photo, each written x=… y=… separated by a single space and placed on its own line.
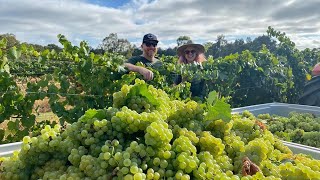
x=198 y=47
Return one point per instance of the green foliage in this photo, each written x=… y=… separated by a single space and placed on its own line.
x=183 y=40
x=75 y=80
x=142 y=90
x=93 y=113
x=113 y=44
x=217 y=108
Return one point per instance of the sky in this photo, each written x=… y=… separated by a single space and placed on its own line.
x=40 y=21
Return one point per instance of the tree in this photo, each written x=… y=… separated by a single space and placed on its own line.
x=216 y=49
x=97 y=50
x=11 y=40
x=36 y=47
x=257 y=43
x=136 y=50
x=112 y=44
x=248 y=40
x=183 y=40
x=167 y=52
x=171 y=51
x=207 y=45
x=53 y=47
x=221 y=41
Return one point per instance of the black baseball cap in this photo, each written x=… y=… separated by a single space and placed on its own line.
x=150 y=37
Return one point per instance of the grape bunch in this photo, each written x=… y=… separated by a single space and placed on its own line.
x=302 y=128
x=173 y=141
x=141 y=98
x=140 y=104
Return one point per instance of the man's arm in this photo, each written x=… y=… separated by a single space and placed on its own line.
x=147 y=74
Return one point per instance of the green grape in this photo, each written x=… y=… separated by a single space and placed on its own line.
x=137 y=139
x=26 y=139
x=127 y=162
x=134 y=169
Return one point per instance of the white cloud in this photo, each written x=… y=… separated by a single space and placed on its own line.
x=40 y=21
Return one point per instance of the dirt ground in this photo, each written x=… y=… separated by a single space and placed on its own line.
x=41 y=108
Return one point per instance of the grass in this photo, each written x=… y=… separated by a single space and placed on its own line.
x=41 y=117
x=47 y=116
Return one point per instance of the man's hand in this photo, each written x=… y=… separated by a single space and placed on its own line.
x=146 y=73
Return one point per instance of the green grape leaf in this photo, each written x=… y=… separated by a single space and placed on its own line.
x=217 y=108
x=128 y=78
x=260 y=69
x=35 y=53
x=275 y=61
x=64 y=83
x=48 y=77
x=23 y=48
x=52 y=89
x=45 y=53
x=3 y=43
x=28 y=121
x=142 y=90
x=20 y=134
x=43 y=83
x=93 y=113
x=13 y=125
x=4 y=62
x=13 y=53
x=6 y=68
x=212 y=97
x=84 y=50
x=92 y=56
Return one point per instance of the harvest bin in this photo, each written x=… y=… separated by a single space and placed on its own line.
x=7 y=149
x=281 y=109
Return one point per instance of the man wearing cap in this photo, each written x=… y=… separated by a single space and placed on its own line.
x=149 y=50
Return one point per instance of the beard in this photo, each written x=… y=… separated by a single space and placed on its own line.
x=150 y=53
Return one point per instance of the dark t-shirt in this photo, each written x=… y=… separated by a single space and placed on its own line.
x=156 y=64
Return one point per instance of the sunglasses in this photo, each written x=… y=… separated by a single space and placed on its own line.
x=148 y=44
x=192 y=51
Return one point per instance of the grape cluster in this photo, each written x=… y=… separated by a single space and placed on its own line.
x=158 y=134
x=171 y=141
x=140 y=104
x=247 y=129
x=302 y=128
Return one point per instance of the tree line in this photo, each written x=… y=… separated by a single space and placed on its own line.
x=220 y=47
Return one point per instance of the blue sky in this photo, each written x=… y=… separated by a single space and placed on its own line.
x=40 y=22
x=109 y=3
